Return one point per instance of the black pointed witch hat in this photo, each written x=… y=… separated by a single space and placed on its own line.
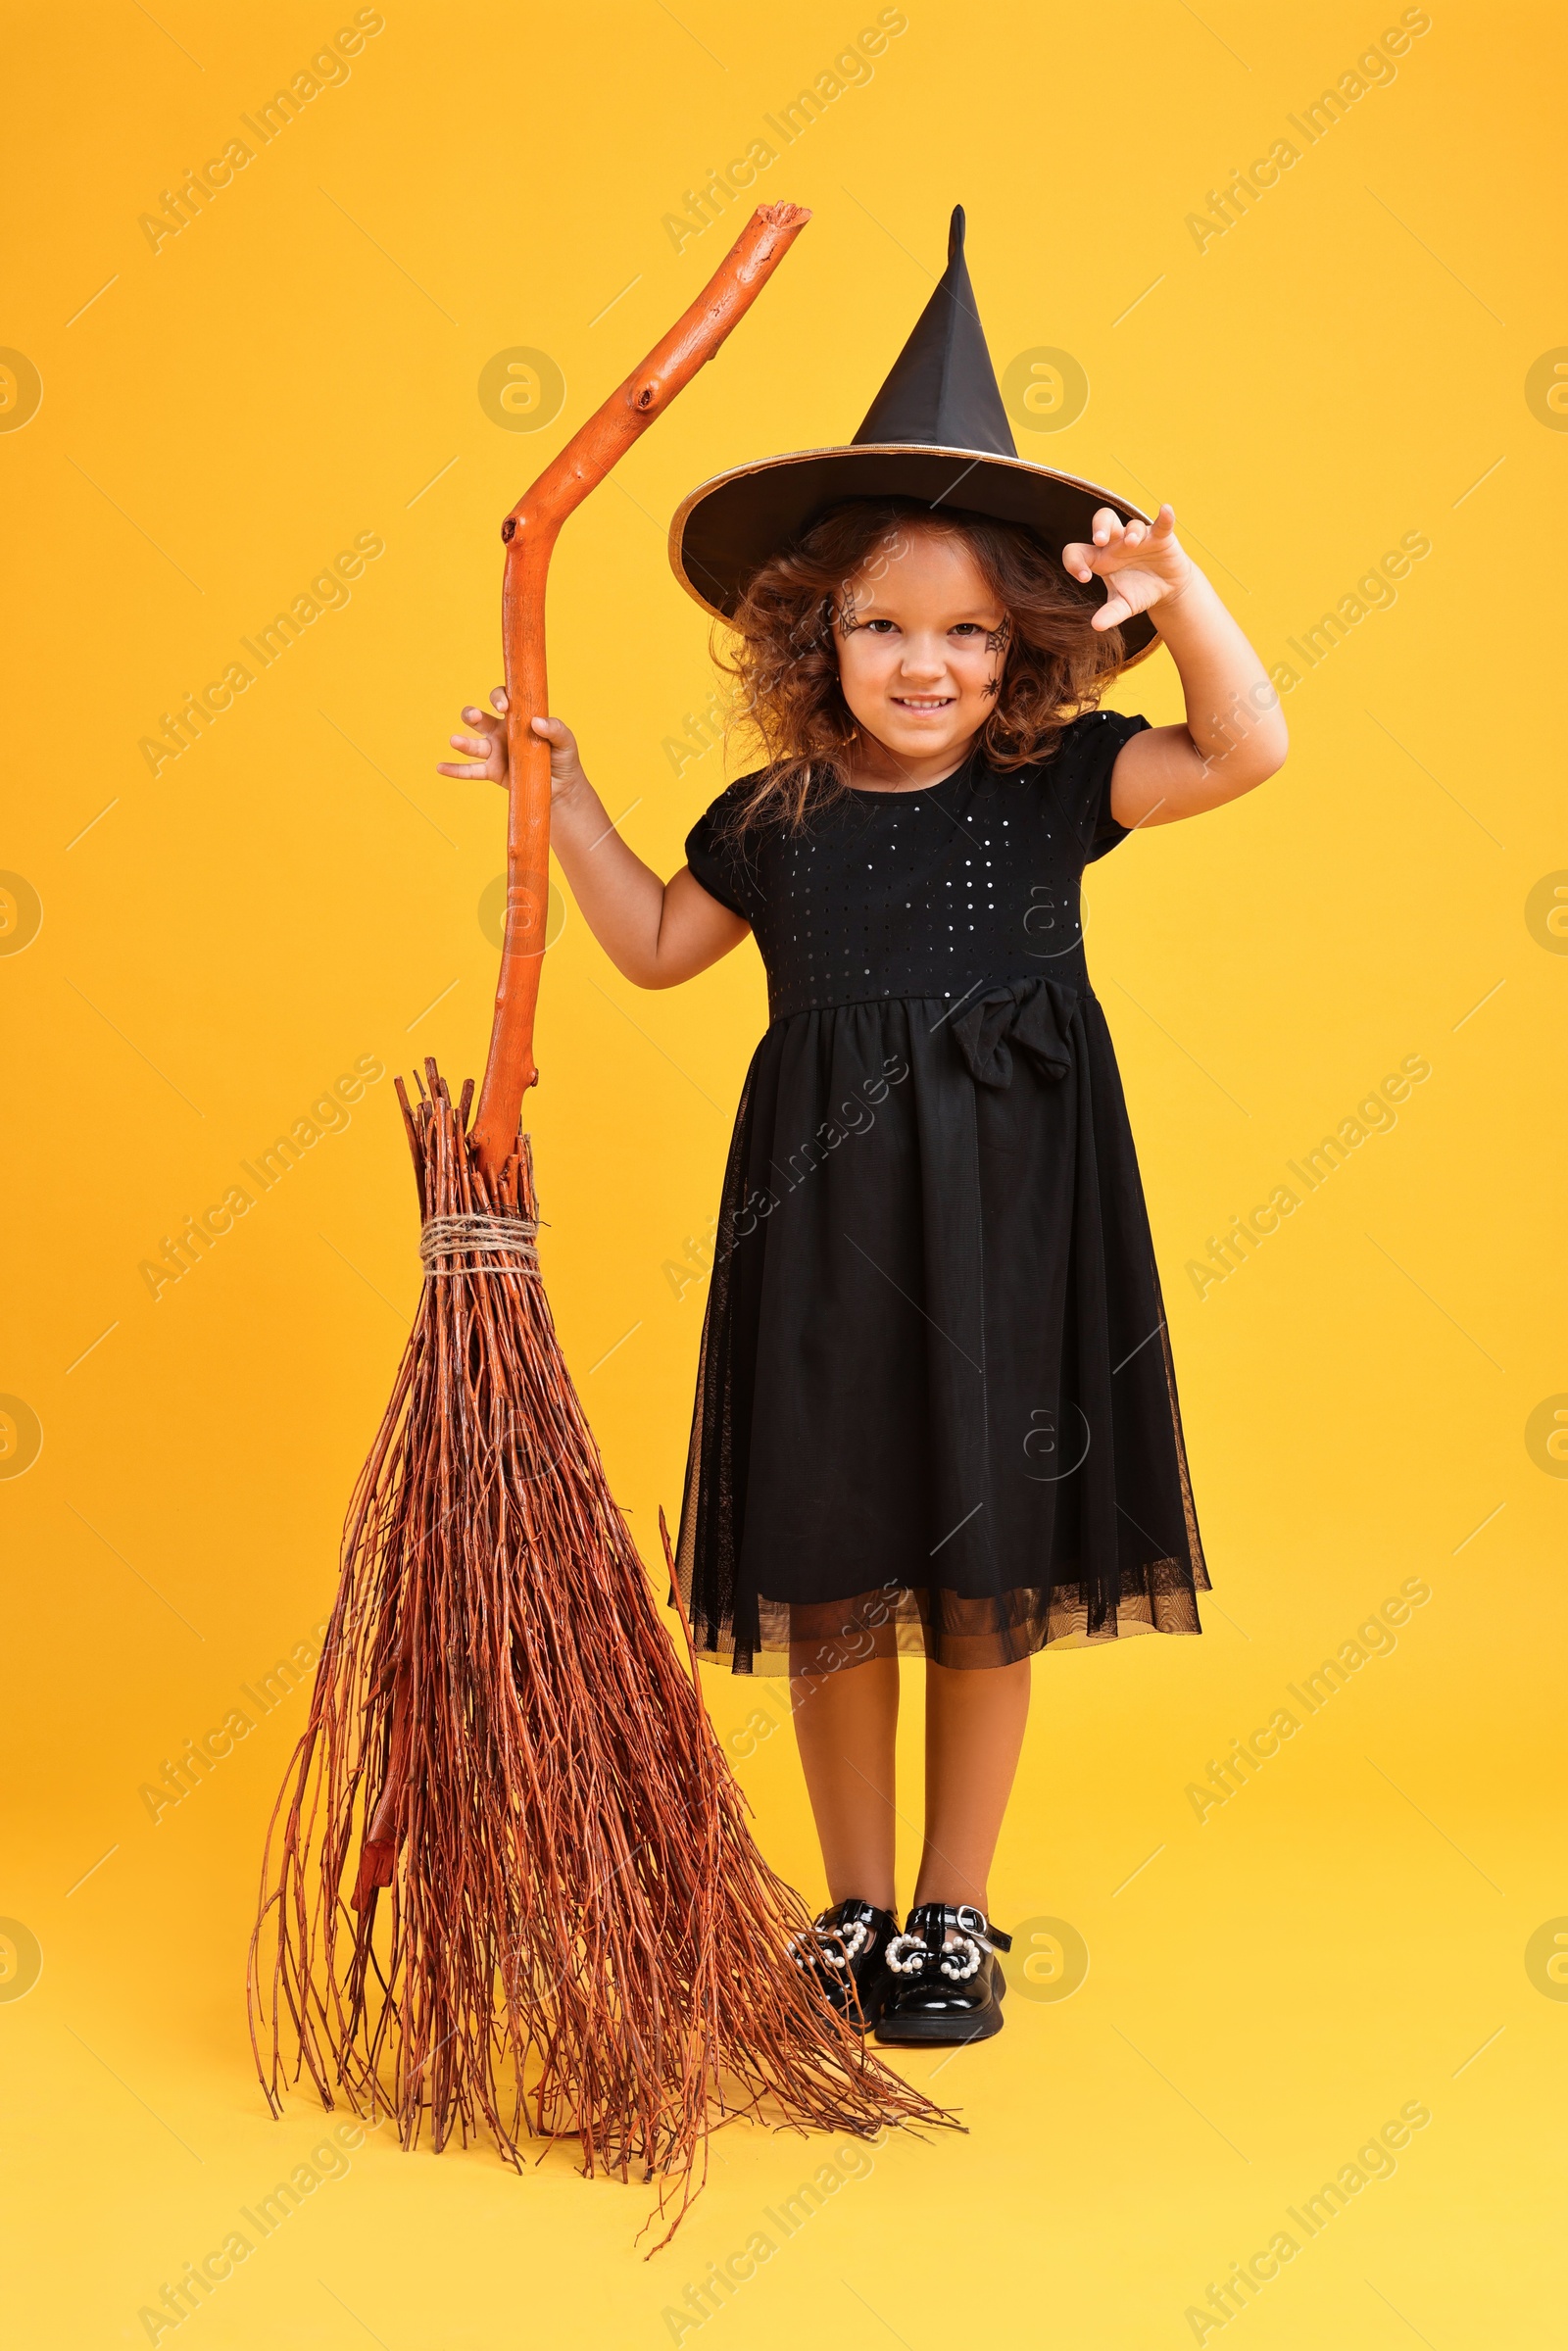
x=937 y=432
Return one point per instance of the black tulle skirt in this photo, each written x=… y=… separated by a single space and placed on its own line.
x=936 y=1409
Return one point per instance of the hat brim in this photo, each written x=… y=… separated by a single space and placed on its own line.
x=732 y=524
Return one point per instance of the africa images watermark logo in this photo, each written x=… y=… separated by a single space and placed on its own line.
x=1374 y=1114
x=1376 y=1637
x=21 y=390
x=328 y=592
x=521 y=389
x=183 y=205
x=183 y=1774
x=20 y=1959
x=850 y=70
x=1546 y=389
x=198 y=2278
x=711 y=2296
x=1374 y=592
x=1376 y=2160
x=1375 y=69
x=182 y=1252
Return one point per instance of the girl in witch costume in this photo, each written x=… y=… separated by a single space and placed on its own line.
x=936 y=1407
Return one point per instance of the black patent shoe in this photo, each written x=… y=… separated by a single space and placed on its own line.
x=844 y=1956
x=943 y=1980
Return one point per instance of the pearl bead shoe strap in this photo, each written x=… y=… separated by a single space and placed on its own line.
x=925 y=1941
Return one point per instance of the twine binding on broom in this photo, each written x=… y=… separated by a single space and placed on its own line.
x=467 y=1236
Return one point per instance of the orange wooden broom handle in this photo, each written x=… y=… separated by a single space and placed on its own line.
x=530 y=531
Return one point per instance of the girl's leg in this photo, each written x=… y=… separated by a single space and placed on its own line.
x=845 y=1726
x=974 y=1724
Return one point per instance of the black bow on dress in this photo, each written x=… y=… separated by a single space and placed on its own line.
x=1033 y=1013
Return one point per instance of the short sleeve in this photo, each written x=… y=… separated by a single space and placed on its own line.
x=1082 y=773
x=716 y=851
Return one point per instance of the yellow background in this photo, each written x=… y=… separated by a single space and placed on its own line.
x=300 y=364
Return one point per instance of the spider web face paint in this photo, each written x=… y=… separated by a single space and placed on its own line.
x=998 y=640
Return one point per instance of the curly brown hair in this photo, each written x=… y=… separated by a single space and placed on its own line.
x=785 y=671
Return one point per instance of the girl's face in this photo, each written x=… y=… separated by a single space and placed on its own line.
x=921 y=640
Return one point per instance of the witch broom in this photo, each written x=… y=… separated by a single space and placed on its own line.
x=558 y=1923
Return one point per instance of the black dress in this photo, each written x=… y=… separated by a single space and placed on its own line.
x=934 y=1408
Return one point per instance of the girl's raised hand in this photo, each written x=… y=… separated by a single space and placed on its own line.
x=487 y=747
x=1140 y=563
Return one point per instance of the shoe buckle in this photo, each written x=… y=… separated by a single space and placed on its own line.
x=975 y=1924
x=971 y=1921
